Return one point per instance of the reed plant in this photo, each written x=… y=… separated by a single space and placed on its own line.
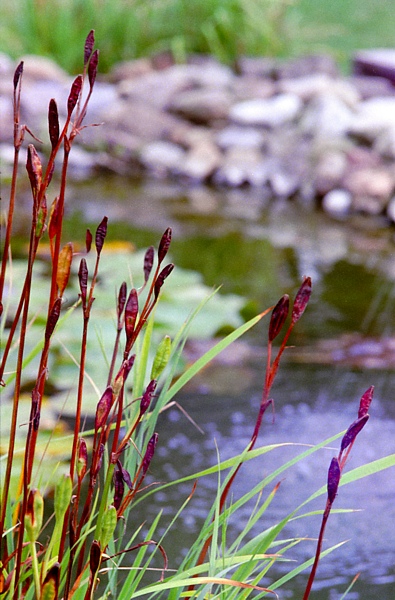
x=80 y=551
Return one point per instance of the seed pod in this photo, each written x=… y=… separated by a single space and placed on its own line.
x=121 y=299
x=50 y=587
x=41 y=218
x=147 y=397
x=98 y=461
x=54 y=221
x=161 y=278
x=149 y=453
x=83 y=279
x=95 y=557
x=82 y=460
x=334 y=473
x=365 y=402
x=353 y=431
x=34 y=515
x=101 y=233
x=34 y=169
x=53 y=123
x=279 y=315
x=301 y=299
x=63 y=492
x=148 y=262
x=92 y=68
x=53 y=318
x=88 y=47
x=109 y=524
x=126 y=476
x=103 y=408
x=164 y=244
x=17 y=74
x=88 y=240
x=131 y=312
x=162 y=357
x=74 y=95
x=119 y=488
x=64 y=267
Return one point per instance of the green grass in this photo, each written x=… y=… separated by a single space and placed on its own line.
x=225 y=28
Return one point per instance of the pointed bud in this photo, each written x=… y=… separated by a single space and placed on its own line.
x=88 y=240
x=101 y=233
x=74 y=94
x=83 y=279
x=119 y=488
x=53 y=318
x=103 y=408
x=353 y=431
x=82 y=460
x=50 y=587
x=162 y=357
x=365 y=402
x=301 y=299
x=89 y=45
x=54 y=220
x=334 y=473
x=279 y=315
x=64 y=267
x=98 y=461
x=131 y=312
x=147 y=397
x=149 y=453
x=121 y=299
x=53 y=123
x=148 y=262
x=34 y=169
x=161 y=278
x=164 y=245
x=92 y=68
x=34 y=515
x=94 y=557
x=17 y=74
x=126 y=476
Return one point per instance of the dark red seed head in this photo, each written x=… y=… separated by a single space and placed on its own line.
x=53 y=318
x=147 y=396
x=53 y=123
x=88 y=47
x=164 y=274
x=278 y=318
x=94 y=557
x=131 y=312
x=365 y=402
x=121 y=299
x=164 y=244
x=83 y=279
x=103 y=408
x=17 y=74
x=301 y=299
x=74 y=94
x=88 y=240
x=148 y=262
x=149 y=453
x=92 y=68
x=353 y=431
x=334 y=474
x=101 y=233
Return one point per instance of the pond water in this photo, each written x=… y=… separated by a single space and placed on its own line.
x=343 y=344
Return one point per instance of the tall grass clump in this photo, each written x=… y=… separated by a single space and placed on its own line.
x=85 y=543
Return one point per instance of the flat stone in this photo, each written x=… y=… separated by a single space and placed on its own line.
x=371 y=189
x=248 y=87
x=372 y=117
x=130 y=69
x=243 y=166
x=200 y=162
x=41 y=68
x=379 y=62
x=245 y=137
x=270 y=113
x=306 y=65
x=329 y=170
x=320 y=84
x=337 y=202
x=326 y=117
x=391 y=210
x=161 y=158
x=371 y=87
x=202 y=105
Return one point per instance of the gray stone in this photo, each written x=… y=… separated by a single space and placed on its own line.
x=329 y=170
x=243 y=166
x=385 y=142
x=272 y=112
x=243 y=137
x=202 y=105
x=320 y=84
x=371 y=87
x=283 y=182
x=337 y=202
x=371 y=189
x=130 y=69
x=200 y=162
x=41 y=68
x=372 y=117
x=161 y=158
x=326 y=117
x=306 y=65
x=250 y=88
x=378 y=62
x=391 y=210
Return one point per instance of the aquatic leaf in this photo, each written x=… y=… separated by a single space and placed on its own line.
x=53 y=123
x=50 y=587
x=63 y=492
x=54 y=220
x=278 y=317
x=109 y=522
x=64 y=267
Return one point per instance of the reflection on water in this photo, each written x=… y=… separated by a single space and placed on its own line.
x=262 y=252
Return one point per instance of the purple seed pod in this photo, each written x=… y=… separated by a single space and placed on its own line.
x=131 y=312
x=88 y=240
x=53 y=318
x=149 y=453
x=53 y=123
x=126 y=477
x=279 y=315
x=353 y=431
x=121 y=299
x=95 y=557
x=334 y=473
x=365 y=402
x=88 y=47
x=165 y=272
x=101 y=233
x=301 y=299
x=74 y=94
x=128 y=365
x=99 y=459
x=34 y=169
x=83 y=279
x=119 y=487
x=53 y=226
x=92 y=69
x=103 y=408
x=164 y=244
x=148 y=262
x=17 y=74
x=147 y=396
x=82 y=460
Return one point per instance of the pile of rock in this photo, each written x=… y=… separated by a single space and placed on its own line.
x=297 y=128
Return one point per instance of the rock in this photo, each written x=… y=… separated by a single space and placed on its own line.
x=130 y=69
x=391 y=210
x=371 y=189
x=329 y=171
x=201 y=105
x=378 y=62
x=337 y=202
x=161 y=158
x=326 y=117
x=243 y=166
x=200 y=162
x=81 y=163
x=6 y=120
x=283 y=182
x=41 y=68
x=250 y=88
x=373 y=117
x=243 y=137
x=371 y=87
x=257 y=67
x=385 y=143
x=269 y=113
x=320 y=84
x=306 y=65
